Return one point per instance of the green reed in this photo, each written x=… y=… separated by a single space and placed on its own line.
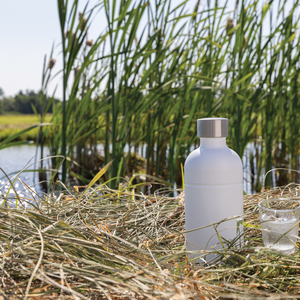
x=157 y=68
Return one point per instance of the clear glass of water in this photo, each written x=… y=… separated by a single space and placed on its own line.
x=279 y=222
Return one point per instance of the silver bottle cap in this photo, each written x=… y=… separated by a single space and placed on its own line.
x=212 y=127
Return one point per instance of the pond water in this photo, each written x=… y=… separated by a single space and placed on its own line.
x=12 y=161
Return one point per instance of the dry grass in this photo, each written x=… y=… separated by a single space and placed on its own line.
x=115 y=244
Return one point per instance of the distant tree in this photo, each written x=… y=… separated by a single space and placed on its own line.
x=22 y=103
x=7 y=105
x=1 y=92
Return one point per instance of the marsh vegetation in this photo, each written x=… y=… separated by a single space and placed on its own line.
x=156 y=68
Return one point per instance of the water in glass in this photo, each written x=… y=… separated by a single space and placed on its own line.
x=280 y=233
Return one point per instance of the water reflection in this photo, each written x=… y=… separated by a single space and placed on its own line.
x=12 y=161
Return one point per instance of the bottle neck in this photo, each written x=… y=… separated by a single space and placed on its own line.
x=212 y=142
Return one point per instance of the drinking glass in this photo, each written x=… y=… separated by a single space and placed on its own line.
x=279 y=222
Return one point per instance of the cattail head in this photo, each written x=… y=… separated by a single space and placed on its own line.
x=89 y=43
x=67 y=33
x=76 y=70
x=244 y=43
x=229 y=26
x=51 y=63
x=83 y=22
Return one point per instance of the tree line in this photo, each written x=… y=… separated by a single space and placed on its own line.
x=22 y=103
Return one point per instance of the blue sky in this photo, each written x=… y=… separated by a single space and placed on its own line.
x=28 y=29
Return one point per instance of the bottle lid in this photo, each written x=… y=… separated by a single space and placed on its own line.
x=212 y=127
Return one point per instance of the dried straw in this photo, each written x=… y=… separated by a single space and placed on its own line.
x=116 y=244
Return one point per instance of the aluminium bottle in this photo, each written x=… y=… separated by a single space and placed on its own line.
x=213 y=176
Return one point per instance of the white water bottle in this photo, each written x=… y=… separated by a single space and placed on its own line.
x=213 y=176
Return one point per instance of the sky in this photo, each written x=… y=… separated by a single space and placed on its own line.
x=28 y=29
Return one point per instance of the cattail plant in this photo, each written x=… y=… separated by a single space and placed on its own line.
x=140 y=86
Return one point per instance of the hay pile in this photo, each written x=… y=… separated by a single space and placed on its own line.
x=115 y=244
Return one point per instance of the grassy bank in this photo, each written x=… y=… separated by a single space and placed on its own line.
x=11 y=124
x=118 y=244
